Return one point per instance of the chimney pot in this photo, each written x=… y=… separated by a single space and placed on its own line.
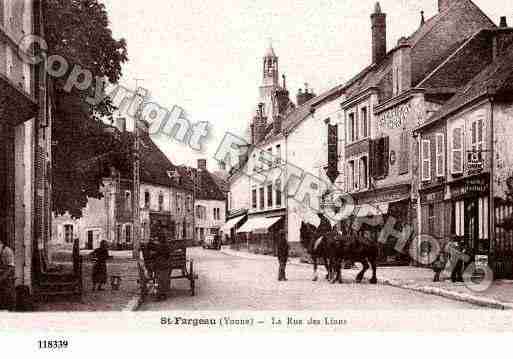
x=504 y=22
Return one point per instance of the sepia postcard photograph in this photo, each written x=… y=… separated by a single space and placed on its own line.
x=332 y=166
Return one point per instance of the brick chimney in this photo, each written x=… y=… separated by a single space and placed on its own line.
x=379 y=34
x=304 y=96
x=503 y=22
x=445 y=4
x=259 y=124
x=202 y=164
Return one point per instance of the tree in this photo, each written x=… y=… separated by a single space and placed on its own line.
x=83 y=151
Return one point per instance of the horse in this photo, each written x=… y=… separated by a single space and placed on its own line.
x=336 y=246
x=350 y=245
x=316 y=245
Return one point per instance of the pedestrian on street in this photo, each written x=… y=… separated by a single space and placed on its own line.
x=7 y=271
x=100 y=255
x=283 y=256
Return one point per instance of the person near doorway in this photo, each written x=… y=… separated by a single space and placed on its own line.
x=7 y=271
x=101 y=255
x=283 y=256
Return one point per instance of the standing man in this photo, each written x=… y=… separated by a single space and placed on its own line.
x=7 y=293
x=283 y=256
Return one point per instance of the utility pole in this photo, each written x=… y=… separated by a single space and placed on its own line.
x=140 y=97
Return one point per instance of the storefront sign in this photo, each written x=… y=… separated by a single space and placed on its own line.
x=395 y=117
x=475 y=162
x=437 y=196
x=471 y=186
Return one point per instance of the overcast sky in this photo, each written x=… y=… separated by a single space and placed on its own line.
x=206 y=56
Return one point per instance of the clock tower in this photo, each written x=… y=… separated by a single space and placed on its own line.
x=270 y=83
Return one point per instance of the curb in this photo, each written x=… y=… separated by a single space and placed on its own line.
x=460 y=297
x=133 y=304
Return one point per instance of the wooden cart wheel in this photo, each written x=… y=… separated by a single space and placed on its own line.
x=191 y=276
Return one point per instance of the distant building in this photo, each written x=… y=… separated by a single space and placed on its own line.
x=209 y=201
x=165 y=193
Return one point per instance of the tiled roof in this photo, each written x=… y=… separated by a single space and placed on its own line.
x=496 y=78
x=155 y=167
x=207 y=187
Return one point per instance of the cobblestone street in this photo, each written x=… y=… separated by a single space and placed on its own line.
x=233 y=283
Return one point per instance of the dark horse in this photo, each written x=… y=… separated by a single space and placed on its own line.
x=337 y=246
x=313 y=240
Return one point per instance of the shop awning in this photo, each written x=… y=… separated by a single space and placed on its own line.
x=226 y=228
x=258 y=225
x=369 y=210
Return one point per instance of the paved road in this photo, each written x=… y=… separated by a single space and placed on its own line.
x=232 y=283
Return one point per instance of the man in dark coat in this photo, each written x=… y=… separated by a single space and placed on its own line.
x=283 y=256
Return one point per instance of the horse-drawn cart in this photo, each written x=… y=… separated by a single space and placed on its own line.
x=163 y=262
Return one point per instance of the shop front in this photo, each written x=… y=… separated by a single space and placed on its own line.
x=260 y=234
x=435 y=214
x=470 y=221
x=392 y=204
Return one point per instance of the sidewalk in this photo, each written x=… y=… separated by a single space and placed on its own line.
x=108 y=300
x=499 y=295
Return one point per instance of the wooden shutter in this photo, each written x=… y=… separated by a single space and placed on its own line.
x=457 y=150
x=404 y=153
x=426 y=160
x=440 y=155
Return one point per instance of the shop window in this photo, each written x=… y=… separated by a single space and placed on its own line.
x=270 y=195
x=426 y=160
x=254 y=199
x=440 y=155
x=457 y=151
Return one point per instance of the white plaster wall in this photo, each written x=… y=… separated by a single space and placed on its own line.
x=503 y=135
x=239 y=193
x=209 y=221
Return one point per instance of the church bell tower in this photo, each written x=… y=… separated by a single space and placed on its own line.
x=270 y=82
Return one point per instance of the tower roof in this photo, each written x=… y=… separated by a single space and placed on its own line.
x=377 y=8
x=270 y=51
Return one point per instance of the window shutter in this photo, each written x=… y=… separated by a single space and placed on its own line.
x=457 y=151
x=386 y=155
x=404 y=153
x=440 y=158
x=426 y=160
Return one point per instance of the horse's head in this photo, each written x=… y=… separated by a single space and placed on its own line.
x=307 y=234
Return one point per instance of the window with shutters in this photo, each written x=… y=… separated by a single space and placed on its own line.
x=364 y=123
x=426 y=160
x=350 y=176
x=254 y=199
x=262 y=198
x=269 y=195
x=278 y=192
x=476 y=141
x=457 y=151
x=440 y=155
x=363 y=178
x=351 y=129
x=379 y=157
x=404 y=153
